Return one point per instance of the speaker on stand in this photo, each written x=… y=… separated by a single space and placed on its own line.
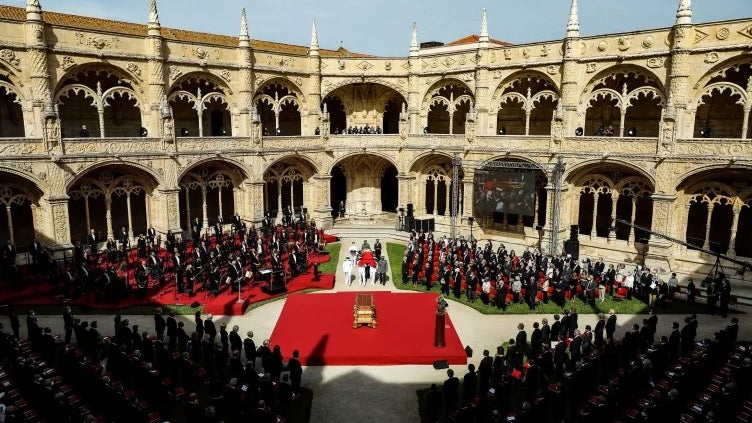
x=572 y=245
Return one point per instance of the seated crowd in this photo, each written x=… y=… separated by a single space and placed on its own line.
x=501 y=277
x=209 y=259
x=565 y=373
x=136 y=376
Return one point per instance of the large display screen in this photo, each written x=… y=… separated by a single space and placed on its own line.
x=504 y=191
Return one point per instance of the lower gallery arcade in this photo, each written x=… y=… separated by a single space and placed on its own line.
x=205 y=127
x=707 y=209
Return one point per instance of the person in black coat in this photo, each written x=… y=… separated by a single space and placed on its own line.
x=536 y=340
x=224 y=338
x=469 y=384
x=250 y=350
x=521 y=339
x=674 y=340
x=598 y=332
x=611 y=324
x=236 y=343
x=172 y=332
x=159 y=324
x=450 y=390
x=296 y=371
x=555 y=328
x=572 y=322
x=545 y=333
x=485 y=369
x=210 y=329
x=434 y=403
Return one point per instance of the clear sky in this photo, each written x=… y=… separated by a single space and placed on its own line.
x=383 y=27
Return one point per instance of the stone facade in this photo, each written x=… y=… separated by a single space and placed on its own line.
x=653 y=127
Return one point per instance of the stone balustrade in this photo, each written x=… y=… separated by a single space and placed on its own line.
x=614 y=146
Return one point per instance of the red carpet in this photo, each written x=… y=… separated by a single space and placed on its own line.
x=41 y=294
x=320 y=327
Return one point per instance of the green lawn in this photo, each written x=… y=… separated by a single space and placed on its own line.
x=331 y=265
x=395 y=253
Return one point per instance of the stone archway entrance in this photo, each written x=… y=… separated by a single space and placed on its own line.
x=367 y=184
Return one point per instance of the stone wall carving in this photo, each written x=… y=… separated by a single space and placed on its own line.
x=9 y=56
x=98 y=42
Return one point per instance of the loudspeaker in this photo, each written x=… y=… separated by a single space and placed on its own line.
x=440 y=364
x=574 y=232
x=572 y=247
x=409 y=209
x=468 y=351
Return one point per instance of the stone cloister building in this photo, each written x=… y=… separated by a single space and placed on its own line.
x=184 y=124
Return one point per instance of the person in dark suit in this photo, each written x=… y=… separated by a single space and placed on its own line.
x=177 y=267
x=151 y=235
x=93 y=241
x=124 y=238
x=521 y=339
x=555 y=328
x=250 y=350
x=469 y=384
x=172 y=332
x=450 y=390
x=674 y=340
x=598 y=332
x=35 y=251
x=196 y=229
x=572 y=321
x=545 y=333
x=536 y=340
x=210 y=329
x=296 y=371
x=236 y=343
x=485 y=370
x=575 y=348
x=68 y=322
x=611 y=324
x=159 y=324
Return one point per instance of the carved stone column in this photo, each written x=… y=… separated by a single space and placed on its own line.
x=734 y=226
x=405 y=194
x=169 y=200
x=467 y=195
x=594 y=228
x=323 y=209
x=254 y=200
x=706 y=244
x=660 y=250
x=612 y=226
x=59 y=218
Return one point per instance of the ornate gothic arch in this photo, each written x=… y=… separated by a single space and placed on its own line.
x=580 y=170
x=434 y=89
x=386 y=157
x=201 y=77
x=157 y=179
x=309 y=166
x=721 y=88
x=720 y=70
x=686 y=179
x=123 y=75
x=239 y=170
x=427 y=158
x=352 y=81
x=291 y=86
x=603 y=76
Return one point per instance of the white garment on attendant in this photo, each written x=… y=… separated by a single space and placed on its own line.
x=629 y=282
x=347 y=268
x=362 y=272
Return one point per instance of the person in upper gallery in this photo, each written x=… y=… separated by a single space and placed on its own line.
x=84 y=132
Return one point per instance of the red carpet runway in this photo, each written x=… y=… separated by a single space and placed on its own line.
x=320 y=327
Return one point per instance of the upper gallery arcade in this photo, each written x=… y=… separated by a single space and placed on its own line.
x=653 y=126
